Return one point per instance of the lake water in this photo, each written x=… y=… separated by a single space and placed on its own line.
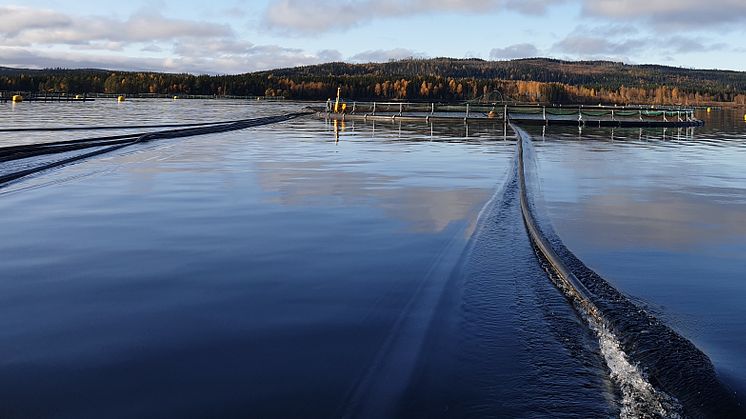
x=662 y=216
x=307 y=269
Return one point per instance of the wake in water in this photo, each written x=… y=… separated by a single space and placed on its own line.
x=503 y=341
x=660 y=373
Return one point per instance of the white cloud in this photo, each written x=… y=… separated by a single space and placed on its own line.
x=255 y=58
x=383 y=55
x=309 y=17
x=28 y=58
x=618 y=43
x=41 y=38
x=588 y=46
x=670 y=14
x=303 y=16
x=514 y=51
x=17 y=19
x=29 y=26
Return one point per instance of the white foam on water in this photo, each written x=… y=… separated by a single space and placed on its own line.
x=639 y=398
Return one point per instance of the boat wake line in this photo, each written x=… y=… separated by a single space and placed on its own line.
x=659 y=373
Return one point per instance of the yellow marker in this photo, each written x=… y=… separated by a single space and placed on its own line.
x=336 y=103
x=744 y=117
x=78 y=97
x=709 y=110
x=120 y=98
x=176 y=97
x=17 y=98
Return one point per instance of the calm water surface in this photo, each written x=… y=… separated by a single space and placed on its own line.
x=662 y=216
x=359 y=270
x=256 y=272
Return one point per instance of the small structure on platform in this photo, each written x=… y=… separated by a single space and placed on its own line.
x=602 y=116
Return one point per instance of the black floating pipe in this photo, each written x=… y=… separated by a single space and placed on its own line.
x=671 y=362
x=113 y=143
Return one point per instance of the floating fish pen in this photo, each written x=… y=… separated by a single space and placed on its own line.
x=579 y=115
x=43 y=97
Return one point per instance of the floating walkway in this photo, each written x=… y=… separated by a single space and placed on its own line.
x=578 y=115
x=42 y=97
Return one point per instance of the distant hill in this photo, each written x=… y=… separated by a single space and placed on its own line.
x=442 y=79
x=600 y=73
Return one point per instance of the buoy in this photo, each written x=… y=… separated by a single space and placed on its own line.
x=176 y=97
x=120 y=98
x=17 y=98
x=709 y=110
x=78 y=97
x=744 y=117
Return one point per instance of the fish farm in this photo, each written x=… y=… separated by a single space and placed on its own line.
x=598 y=116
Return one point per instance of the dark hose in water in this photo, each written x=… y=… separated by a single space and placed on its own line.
x=110 y=127
x=116 y=142
x=656 y=362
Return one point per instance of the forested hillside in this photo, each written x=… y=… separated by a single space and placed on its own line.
x=439 y=79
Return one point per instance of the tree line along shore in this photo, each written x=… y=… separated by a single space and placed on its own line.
x=440 y=79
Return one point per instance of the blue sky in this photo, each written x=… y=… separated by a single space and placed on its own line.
x=230 y=36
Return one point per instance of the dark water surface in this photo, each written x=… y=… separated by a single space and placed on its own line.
x=661 y=215
x=382 y=270
x=252 y=273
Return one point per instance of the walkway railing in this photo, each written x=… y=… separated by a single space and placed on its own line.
x=530 y=113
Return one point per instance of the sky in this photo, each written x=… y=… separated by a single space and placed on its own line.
x=231 y=36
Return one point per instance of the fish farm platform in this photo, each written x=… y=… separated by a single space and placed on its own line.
x=600 y=116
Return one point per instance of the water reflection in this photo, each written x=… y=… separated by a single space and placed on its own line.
x=316 y=183
x=133 y=111
x=661 y=213
x=247 y=273
x=655 y=216
x=612 y=133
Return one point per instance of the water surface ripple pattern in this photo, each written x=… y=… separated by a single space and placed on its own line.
x=671 y=377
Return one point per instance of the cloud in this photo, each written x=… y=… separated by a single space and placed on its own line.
x=617 y=42
x=581 y=45
x=219 y=61
x=618 y=29
x=683 y=44
x=302 y=16
x=17 y=19
x=27 y=58
x=514 y=51
x=681 y=14
x=40 y=38
x=383 y=55
x=29 y=26
x=329 y=55
x=309 y=17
